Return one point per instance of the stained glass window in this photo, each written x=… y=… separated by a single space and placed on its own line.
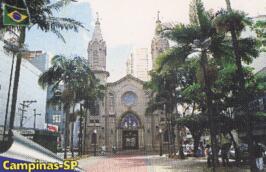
x=129 y=98
x=130 y=121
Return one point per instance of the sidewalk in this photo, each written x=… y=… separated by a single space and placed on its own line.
x=149 y=163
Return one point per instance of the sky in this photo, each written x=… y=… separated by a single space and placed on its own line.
x=126 y=24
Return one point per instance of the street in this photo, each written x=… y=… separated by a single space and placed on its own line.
x=148 y=163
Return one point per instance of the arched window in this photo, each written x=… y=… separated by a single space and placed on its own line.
x=94 y=108
x=97 y=108
x=93 y=138
x=166 y=136
x=130 y=121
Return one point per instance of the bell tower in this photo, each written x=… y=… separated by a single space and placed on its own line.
x=98 y=120
x=97 y=53
x=159 y=44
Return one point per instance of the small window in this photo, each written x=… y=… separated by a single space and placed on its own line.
x=97 y=109
x=111 y=103
x=56 y=118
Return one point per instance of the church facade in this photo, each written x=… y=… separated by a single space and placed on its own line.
x=120 y=119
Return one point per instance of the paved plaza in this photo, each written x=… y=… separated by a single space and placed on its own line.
x=148 y=163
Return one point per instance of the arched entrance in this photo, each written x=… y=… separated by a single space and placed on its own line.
x=130 y=135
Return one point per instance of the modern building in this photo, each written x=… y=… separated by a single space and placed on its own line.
x=55 y=114
x=139 y=64
x=31 y=97
x=120 y=119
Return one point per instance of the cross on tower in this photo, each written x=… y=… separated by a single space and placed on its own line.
x=158 y=15
x=97 y=17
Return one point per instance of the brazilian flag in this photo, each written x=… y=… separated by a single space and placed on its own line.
x=15 y=15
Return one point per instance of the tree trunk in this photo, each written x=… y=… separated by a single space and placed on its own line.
x=210 y=108
x=21 y=41
x=236 y=148
x=228 y=5
x=173 y=138
x=152 y=131
x=169 y=135
x=80 y=131
x=243 y=94
x=72 y=132
x=85 y=132
x=72 y=139
x=66 y=134
x=196 y=139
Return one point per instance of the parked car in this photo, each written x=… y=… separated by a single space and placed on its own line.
x=264 y=153
x=243 y=151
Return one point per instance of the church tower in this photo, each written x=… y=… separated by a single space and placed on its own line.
x=98 y=120
x=159 y=44
x=97 y=53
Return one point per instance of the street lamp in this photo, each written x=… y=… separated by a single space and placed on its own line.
x=95 y=137
x=10 y=47
x=161 y=150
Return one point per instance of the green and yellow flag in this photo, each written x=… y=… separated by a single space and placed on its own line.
x=15 y=16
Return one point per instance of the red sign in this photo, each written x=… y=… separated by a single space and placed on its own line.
x=52 y=128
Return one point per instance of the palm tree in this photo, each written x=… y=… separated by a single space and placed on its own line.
x=235 y=22
x=164 y=98
x=86 y=89
x=200 y=40
x=90 y=94
x=73 y=75
x=42 y=15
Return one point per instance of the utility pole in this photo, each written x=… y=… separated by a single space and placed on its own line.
x=22 y=113
x=35 y=114
x=24 y=104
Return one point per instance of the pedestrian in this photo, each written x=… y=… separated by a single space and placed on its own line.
x=224 y=152
x=208 y=153
x=259 y=156
x=114 y=149
x=181 y=152
x=103 y=150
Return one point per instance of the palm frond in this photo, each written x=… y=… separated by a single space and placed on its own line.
x=248 y=49
x=173 y=57
x=59 y=4
x=182 y=34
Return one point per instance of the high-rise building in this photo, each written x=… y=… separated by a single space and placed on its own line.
x=139 y=64
x=159 y=44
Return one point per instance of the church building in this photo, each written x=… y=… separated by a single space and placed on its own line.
x=120 y=118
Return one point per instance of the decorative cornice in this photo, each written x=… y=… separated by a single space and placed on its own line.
x=128 y=76
x=101 y=71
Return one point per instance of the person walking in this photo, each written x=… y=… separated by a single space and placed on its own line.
x=224 y=152
x=259 y=156
x=114 y=149
x=103 y=150
x=208 y=153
